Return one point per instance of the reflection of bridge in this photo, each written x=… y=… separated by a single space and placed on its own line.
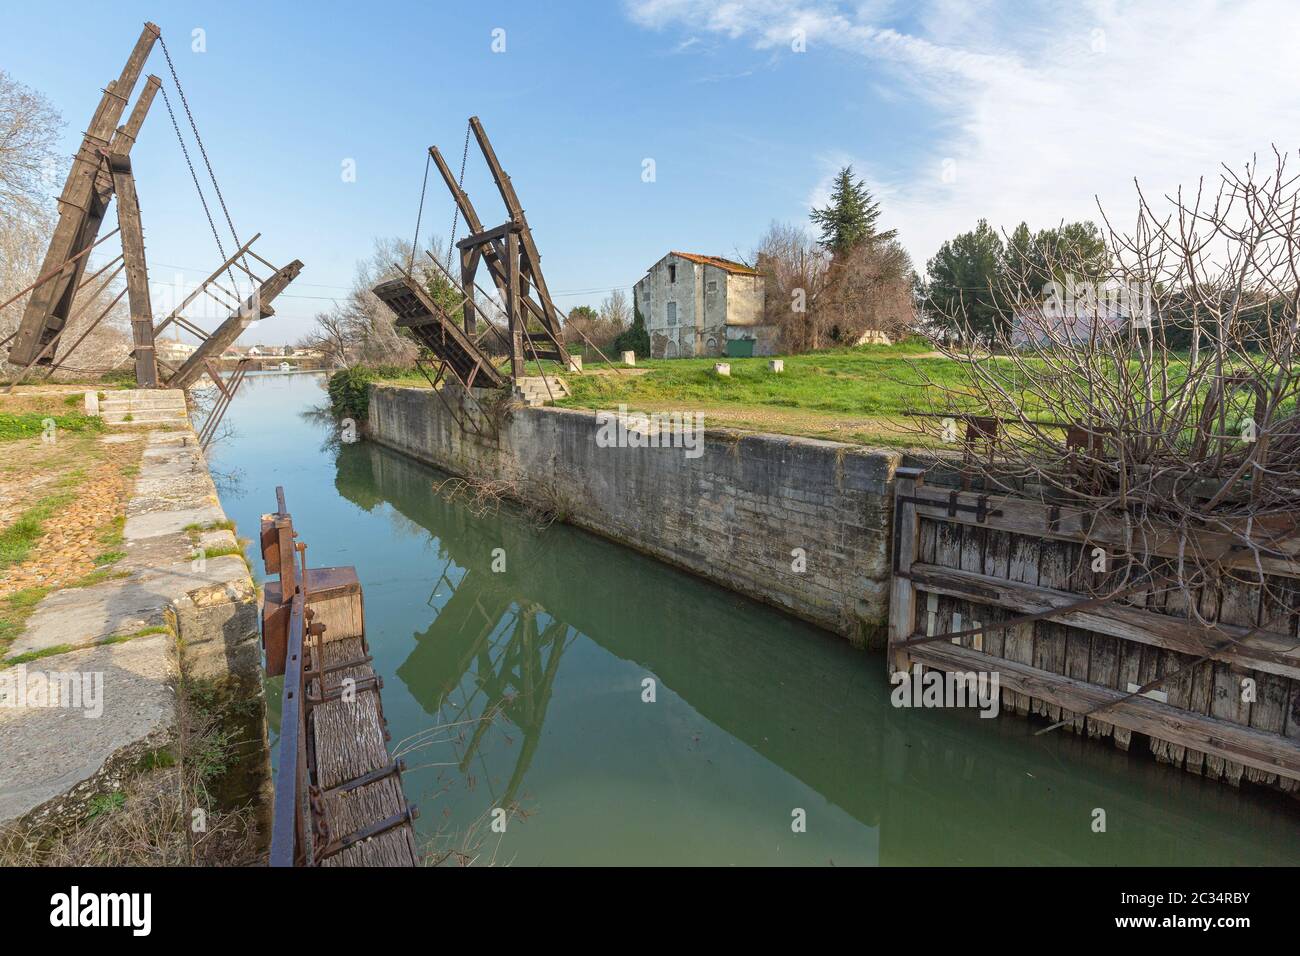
x=513 y=653
x=822 y=717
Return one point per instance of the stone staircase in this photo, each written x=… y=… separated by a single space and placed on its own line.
x=535 y=390
x=144 y=406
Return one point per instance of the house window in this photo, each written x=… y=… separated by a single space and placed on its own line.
x=672 y=313
x=672 y=272
x=712 y=285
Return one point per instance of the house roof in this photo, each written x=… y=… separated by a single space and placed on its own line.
x=727 y=265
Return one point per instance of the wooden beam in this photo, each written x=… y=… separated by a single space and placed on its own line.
x=512 y=307
x=256 y=306
x=550 y=318
x=1023 y=516
x=1264 y=751
x=81 y=210
x=137 y=272
x=1270 y=652
x=488 y=236
x=902 y=594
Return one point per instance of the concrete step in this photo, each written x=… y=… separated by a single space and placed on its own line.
x=533 y=390
x=138 y=418
x=145 y=406
x=128 y=406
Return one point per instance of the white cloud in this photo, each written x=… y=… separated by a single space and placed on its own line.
x=1044 y=108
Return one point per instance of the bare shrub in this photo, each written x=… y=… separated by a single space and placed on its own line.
x=818 y=300
x=1160 y=395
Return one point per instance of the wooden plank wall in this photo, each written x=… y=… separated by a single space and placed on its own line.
x=958 y=568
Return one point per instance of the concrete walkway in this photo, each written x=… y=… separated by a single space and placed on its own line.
x=112 y=697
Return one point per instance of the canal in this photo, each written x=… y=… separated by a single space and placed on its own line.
x=526 y=688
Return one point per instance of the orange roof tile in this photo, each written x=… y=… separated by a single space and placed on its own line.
x=721 y=263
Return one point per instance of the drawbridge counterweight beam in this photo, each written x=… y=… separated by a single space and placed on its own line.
x=82 y=205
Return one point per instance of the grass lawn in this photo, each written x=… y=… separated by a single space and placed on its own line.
x=863 y=395
x=24 y=415
x=856 y=395
x=62 y=501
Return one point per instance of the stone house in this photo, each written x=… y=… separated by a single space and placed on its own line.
x=694 y=305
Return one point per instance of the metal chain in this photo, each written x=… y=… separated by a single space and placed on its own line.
x=195 y=176
x=460 y=184
x=202 y=151
x=424 y=185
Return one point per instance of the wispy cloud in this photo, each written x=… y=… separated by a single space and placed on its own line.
x=1043 y=108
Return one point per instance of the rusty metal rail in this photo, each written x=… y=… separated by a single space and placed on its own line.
x=331 y=720
x=226 y=394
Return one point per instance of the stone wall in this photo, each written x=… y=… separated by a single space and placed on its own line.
x=733 y=509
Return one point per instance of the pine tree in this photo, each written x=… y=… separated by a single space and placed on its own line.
x=850 y=219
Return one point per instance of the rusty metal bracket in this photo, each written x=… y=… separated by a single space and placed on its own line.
x=374 y=776
x=952 y=504
x=409 y=815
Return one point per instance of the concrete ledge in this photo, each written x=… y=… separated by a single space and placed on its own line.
x=52 y=761
x=55 y=759
x=800 y=523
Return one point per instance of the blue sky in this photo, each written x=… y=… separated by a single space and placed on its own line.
x=951 y=110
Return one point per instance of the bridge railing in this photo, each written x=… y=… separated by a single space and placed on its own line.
x=290 y=827
x=305 y=828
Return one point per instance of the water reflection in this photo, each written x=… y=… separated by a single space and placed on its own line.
x=542 y=667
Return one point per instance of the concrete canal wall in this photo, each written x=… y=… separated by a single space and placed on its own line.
x=798 y=523
x=747 y=510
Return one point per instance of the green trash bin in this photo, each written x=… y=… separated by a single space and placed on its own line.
x=740 y=348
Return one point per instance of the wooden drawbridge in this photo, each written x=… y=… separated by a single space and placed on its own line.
x=102 y=174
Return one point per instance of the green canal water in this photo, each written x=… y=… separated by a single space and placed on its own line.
x=524 y=689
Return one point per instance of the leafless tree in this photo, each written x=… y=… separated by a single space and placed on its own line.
x=868 y=289
x=30 y=171
x=818 y=300
x=795 y=268
x=582 y=325
x=29 y=162
x=616 y=312
x=1161 y=396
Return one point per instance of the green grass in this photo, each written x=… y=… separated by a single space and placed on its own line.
x=112 y=535
x=880 y=380
x=872 y=394
x=16 y=425
x=108 y=557
x=852 y=394
x=105 y=803
x=197 y=527
x=15 y=609
x=98 y=577
x=35 y=655
x=17 y=540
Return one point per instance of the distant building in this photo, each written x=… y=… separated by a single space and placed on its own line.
x=694 y=305
x=174 y=351
x=1067 y=317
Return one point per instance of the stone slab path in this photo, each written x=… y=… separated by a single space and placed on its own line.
x=53 y=759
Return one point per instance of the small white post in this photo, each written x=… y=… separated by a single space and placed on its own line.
x=776 y=365
x=575 y=363
x=722 y=368
x=629 y=358
x=92 y=403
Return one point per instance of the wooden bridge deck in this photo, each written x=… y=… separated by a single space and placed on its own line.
x=349 y=743
x=338 y=794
